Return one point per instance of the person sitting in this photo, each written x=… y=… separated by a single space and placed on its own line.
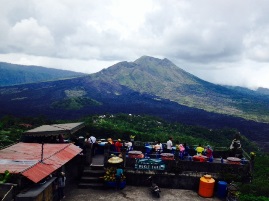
x=187 y=148
x=118 y=145
x=181 y=151
x=209 y=152
x=129 y=145
x=199 y=150
x=158 y=147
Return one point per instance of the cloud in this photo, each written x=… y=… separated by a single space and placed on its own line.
x=29 y=37
x=257 y=45
x=213 y=37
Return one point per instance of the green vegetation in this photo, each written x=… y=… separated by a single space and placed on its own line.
x=4 y=177
x=75 y=103
x=11 y=128
x=258 y=189
x=147 y=128
x=9 y=133
x=13 y=74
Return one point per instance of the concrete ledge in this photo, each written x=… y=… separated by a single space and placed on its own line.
x=185 y=174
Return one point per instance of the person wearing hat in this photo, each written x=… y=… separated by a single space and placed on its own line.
x=119 y=174
x=199 y=150
x=115 y=160
x=118 y=145
x=61 y=185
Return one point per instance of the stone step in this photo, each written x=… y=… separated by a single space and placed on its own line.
x=97 y=167
x=86 y=179
x=91 y=185
x=94 y=173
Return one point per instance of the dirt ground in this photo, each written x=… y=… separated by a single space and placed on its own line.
x=134 y=193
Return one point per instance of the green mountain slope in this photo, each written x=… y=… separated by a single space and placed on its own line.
x=166 y=80
x=12 y=74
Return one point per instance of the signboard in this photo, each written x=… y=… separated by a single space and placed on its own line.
x=149 y=164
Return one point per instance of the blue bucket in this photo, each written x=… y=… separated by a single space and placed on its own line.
x=222 y=189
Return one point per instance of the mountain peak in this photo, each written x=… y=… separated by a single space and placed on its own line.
x=149 y=61
x=146 y=58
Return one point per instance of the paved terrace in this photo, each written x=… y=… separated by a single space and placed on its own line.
x=133 y=193
x=130 y=192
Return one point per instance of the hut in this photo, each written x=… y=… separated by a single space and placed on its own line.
x=34 y=166
x=50 y=133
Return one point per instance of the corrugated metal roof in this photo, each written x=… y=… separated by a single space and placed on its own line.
x=25 y=159
x=54 y=129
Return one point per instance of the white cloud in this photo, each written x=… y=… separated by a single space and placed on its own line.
x=257 y=44
x=29 y=37
x=207 y=38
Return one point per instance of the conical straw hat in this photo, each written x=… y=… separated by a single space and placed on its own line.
x=115 y=159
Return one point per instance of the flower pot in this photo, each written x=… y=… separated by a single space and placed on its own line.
x=122 y=184
x=112 y=184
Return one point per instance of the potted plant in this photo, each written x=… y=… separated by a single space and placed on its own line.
x=110 y=178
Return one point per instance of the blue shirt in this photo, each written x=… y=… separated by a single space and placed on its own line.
x=119 y=172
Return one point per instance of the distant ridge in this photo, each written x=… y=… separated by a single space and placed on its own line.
x=147 y=86
x=13 y=74
x=164 y=79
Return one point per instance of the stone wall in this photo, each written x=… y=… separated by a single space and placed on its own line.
x=186 y=174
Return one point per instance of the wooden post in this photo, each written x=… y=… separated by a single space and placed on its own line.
x=124 y=155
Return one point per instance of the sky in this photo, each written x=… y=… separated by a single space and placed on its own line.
x=220 y=41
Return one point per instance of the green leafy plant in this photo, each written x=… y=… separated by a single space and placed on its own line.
x=110 y=175
x=4 y=178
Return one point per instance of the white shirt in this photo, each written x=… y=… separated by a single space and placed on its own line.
x=128 y=144
x=169 y=144
x=92 y=139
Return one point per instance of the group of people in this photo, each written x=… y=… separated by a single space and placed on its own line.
x=169 y=146
x=118 y=145
x=158 y=147
x=182 y=150
x=207 y=151
x=90 y=143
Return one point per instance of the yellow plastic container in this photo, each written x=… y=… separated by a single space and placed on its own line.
x=206 y=186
